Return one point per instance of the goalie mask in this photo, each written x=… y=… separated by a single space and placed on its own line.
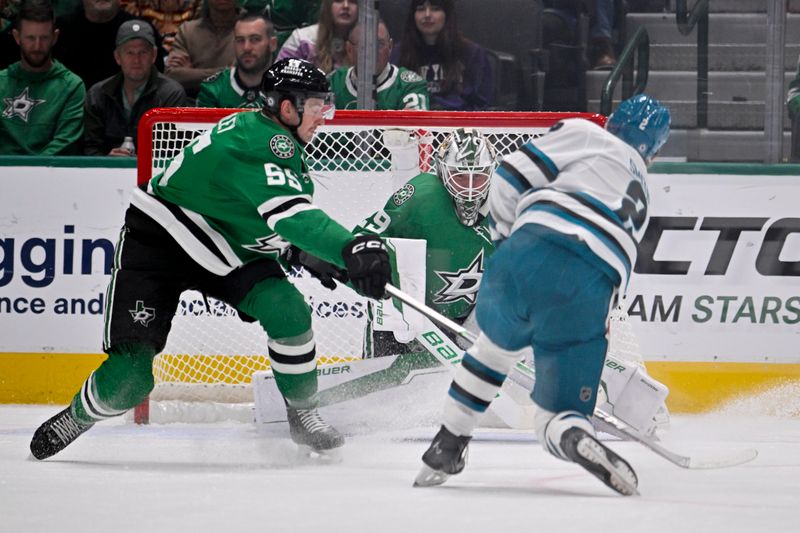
x=465 y=162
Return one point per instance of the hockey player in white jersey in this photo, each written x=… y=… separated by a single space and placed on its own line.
x=567 y=212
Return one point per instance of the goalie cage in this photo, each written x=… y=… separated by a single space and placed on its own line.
x=357 y=160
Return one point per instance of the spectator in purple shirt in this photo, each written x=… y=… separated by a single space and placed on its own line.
x=458 y=71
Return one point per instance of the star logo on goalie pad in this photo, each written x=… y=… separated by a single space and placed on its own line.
x=461 y=285
x=142 y=315
x=268 y=245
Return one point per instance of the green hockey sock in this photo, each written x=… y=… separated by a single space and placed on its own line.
x=120 y=383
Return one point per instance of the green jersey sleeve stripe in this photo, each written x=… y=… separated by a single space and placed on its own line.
x=196 y=244
x=276 y=205
x=289 y=213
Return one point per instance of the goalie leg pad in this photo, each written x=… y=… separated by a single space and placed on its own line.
x=632 y=395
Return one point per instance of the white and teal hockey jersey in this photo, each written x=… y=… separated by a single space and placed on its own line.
x=578 y=180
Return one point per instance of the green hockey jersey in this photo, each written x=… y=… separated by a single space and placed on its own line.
x=42 y=111
x=240 y=192
x=397 y=88
x=224 y=89
x=423 y=209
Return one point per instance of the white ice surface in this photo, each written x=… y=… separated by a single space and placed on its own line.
x=231 y=477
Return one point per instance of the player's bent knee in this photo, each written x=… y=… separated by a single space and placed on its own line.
x=493 y=356
x=279 y=307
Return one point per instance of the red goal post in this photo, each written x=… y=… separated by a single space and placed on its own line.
x=357 y=160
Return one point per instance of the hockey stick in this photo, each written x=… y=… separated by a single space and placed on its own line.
x=523 y=374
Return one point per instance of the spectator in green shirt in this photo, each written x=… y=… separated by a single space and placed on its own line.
x=254 y=46
x=42 y=111
x=396 y=87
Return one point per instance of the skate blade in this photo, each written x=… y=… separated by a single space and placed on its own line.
x=428 y=477
x=334 y=455
x=594 y=452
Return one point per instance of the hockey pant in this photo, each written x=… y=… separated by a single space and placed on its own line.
x=149 y=273
x=537 y=292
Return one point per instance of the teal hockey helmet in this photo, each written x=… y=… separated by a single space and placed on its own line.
x=642 y=122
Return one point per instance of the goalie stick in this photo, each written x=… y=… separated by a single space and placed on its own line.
x=523 y=374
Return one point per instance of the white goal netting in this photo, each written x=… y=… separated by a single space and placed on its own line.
x=356 y=162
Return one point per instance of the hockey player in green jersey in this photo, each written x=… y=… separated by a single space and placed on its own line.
x=254 y=45
x=448 y=210
x=396 y=87
x=223 y=218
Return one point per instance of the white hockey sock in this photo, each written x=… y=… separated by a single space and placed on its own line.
x=476 y=383
x=551 y=426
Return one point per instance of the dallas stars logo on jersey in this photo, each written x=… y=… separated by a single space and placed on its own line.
x=21 y=105
x=282 y=146
x=461 y=285
x=142 y=315
x=267 y=245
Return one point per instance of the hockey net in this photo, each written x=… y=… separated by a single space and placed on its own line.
x=357 y=161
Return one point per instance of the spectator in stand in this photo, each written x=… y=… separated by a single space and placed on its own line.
x=254 y=46
x=323 y=43
x=86 y=43
x=396 y=87
x=42 y=100
x=457 y=70
x=114 y=106
x=288 y=15
x=8 y=48
x=203 y=46
x=165 y=16
x=560 y=25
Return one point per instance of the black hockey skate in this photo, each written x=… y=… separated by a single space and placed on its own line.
x=56 y=434
x=308 y=429
x=446 y=456
x=600 y=461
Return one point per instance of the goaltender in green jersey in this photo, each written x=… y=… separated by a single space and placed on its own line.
x=254 y=46
x=447 y=209
x=229 y=213
x=397 y=87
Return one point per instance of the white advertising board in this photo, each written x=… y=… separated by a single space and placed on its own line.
x=718 y=276
x=58 y=227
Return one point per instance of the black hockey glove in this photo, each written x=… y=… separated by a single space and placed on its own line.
x=368 y=265
x=325 y=272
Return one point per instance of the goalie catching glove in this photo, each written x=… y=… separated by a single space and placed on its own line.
x=325 y=272
x=368 y=265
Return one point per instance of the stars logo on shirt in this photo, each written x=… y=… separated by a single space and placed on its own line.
x=268 y=245
x=461 y=285
x=282 y=146
x=142 y=315
x=21 y=105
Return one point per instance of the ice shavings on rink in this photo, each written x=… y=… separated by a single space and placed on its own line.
x=121 y=478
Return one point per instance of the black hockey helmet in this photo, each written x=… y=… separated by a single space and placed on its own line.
x=297 y=80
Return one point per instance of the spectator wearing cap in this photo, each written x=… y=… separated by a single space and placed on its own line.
x=115 y=105
x=87 y=37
